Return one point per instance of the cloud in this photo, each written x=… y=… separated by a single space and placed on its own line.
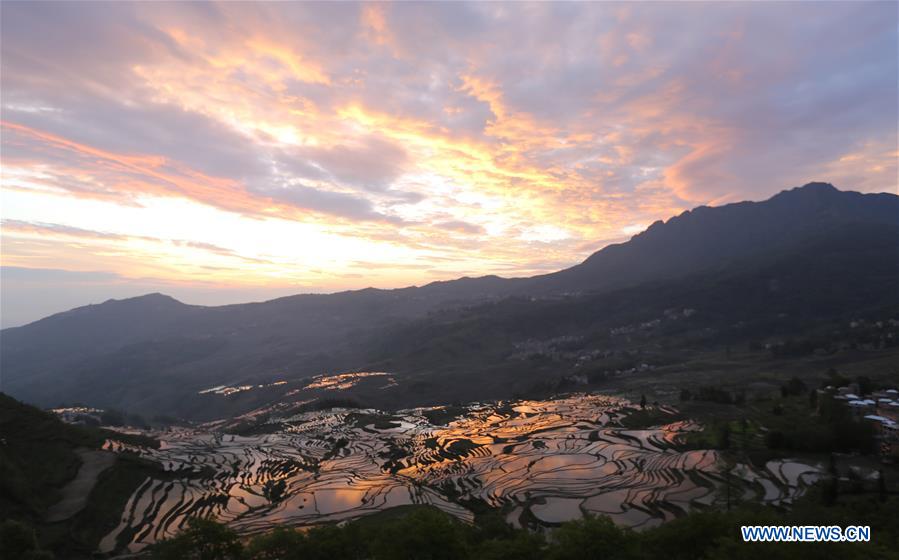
x=369 y=163
x=118 y=176
x=19 y=226
x=14 y=228
x=473 y=130
x=15 y=273
x=328 y=202
x=461 y=227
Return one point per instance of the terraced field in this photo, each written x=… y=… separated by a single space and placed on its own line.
x=541 y=462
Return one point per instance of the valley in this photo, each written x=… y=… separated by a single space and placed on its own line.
x=782 y=278
x=731 y=363
x=539 y=463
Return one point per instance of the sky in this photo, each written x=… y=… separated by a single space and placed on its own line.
x=229 y=152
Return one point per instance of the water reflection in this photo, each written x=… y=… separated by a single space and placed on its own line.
x=542 y=462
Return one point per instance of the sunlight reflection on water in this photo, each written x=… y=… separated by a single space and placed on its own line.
x=557 y=459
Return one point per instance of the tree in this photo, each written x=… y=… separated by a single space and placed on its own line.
x=794 y=386
x=835 y=379
x=724 y=436
x=280 y=544
x=831 y=489
x=642 y=402
x=137 y=421
x=775 y=439
x=744 y=428
x=427 y=534
x=728 y=482
x=17 y=540
x=112 y=417
x=594 y=537
x=865 y=385
x=522 y=545
x=204 y=539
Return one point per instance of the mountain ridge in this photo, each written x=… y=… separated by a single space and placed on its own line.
x=154 y=349
x=814 y=197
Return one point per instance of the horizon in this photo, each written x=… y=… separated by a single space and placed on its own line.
x=228 y=153
x=14 y=270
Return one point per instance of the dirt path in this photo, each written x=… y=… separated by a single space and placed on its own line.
x=75 y=493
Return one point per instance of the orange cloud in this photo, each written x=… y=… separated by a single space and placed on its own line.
x=499 y=140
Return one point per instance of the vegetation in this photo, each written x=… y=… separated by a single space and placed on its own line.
x=17 y=540
x=38 y=457
x=766 y=428
x=832 y=429
x=425 y=533
x=202 y=540
x=641 y=418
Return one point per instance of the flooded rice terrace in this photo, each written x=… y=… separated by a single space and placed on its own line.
x=542 y=462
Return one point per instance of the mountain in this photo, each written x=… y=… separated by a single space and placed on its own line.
x=153 y=354
x=713 y=238
x=800 y=299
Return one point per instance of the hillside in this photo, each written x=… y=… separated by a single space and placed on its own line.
x=40 y=459
x=811 y=292
x=813 y=252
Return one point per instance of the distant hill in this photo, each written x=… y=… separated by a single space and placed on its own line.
x=835 y=251
x=137 y=352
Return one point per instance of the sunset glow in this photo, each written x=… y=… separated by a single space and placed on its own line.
x=241 y=151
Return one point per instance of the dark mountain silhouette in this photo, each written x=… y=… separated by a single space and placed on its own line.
x=153 y=353
x=805 y=295
x=713 y=238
